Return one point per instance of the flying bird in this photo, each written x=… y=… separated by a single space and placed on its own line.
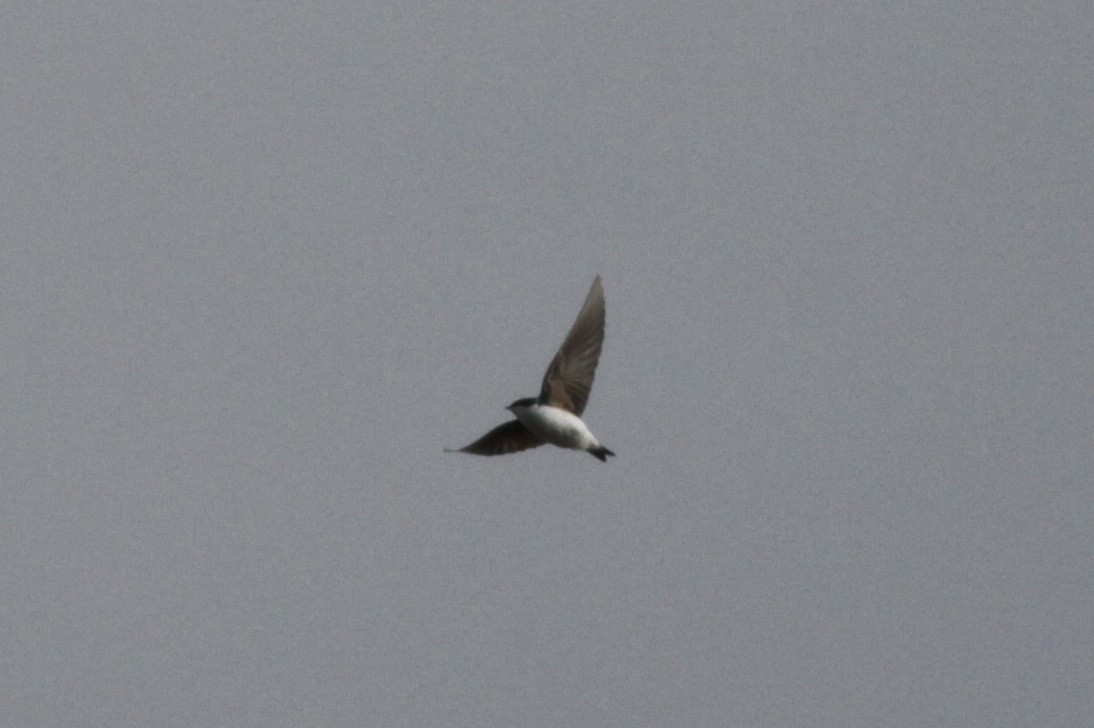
x=555 y=416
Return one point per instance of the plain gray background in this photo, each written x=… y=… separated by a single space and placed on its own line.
x=260 y=262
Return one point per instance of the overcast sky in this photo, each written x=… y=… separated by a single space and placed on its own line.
x=261 y=262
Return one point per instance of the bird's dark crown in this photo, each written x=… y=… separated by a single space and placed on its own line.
x=526 y=402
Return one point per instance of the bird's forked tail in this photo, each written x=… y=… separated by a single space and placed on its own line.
x=601 y=453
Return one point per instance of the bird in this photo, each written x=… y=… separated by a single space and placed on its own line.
x=555 y=415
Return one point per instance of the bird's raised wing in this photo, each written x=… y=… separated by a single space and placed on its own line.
x=569 y=377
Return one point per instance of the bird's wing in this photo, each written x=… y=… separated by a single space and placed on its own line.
x=570 y=374
x=502 y=440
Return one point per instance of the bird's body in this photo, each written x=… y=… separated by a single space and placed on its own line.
x=558 y=427
x=555 y=416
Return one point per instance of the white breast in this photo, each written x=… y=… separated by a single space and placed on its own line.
x=556 y=426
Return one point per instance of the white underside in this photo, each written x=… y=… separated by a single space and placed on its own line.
x=556 y=426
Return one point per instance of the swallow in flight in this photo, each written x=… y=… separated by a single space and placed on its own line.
x=555 y=415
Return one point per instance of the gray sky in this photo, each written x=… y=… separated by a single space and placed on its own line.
x=261 y=262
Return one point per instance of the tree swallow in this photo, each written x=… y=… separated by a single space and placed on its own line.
x=555 y=416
